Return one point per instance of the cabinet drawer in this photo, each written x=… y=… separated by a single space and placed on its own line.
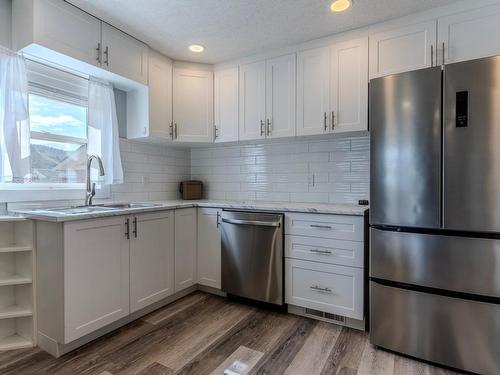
x=325 y=287
x=340 y=227
x=325 y=250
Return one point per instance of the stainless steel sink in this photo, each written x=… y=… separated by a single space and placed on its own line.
x=97 y=208
x=130 y=205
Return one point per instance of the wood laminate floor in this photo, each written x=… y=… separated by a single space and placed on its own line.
x=205 y=334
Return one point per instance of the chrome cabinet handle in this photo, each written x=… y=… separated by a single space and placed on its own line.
x=218 y=217
x=127 y=229
x=432 y=54
x=106 y=56
x=215 y=132
x=320 y=226
x=171 y=132
x=333 y=120
x=320 y=289
x=98 y=49
x=318 y=251
x=135 y=227
x=175 y=130
x=324 y=122
x=268 y=127
x=261 y=128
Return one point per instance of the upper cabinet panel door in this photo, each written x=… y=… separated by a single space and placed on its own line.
x=404 y=49
x=193 y=105
x=124 y=55
x=349 y=90
x=313 y=91
x=280 y=96
x=252 y=101
x=226 y=105
x=68 y=30
x=151 y=258
x=470 y=35
x=160 y=95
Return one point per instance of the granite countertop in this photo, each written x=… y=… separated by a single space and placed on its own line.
x=323 y=208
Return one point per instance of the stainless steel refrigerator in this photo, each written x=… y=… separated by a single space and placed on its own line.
x=435 y=214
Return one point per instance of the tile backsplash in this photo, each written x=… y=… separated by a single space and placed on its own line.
x=334 y=170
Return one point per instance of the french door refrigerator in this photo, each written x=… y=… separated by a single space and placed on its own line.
x=435 y=214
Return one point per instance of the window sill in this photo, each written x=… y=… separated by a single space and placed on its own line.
x=27 y=193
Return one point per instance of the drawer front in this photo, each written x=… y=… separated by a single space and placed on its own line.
x=325 y=287
x=340 y=227
x=325 y=250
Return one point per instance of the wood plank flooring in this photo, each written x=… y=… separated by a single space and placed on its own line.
x=205 y=334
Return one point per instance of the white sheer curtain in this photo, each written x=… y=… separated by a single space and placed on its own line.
x=14 y=117
x=103 y=138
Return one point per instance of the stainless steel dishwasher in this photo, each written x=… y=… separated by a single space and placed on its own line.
x=252 y=255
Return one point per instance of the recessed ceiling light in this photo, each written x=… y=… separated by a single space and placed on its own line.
x=340 y=5
x=196 y=48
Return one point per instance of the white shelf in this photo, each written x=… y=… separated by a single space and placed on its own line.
x=14 y=248
x=14 y=311
x=15 y=342
x=15 y=280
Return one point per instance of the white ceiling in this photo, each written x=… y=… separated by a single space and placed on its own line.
x=235 y=28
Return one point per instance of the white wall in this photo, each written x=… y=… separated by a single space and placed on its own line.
x=5 y=22
x=327 y=171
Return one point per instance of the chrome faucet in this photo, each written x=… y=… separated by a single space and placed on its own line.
x=91 y=187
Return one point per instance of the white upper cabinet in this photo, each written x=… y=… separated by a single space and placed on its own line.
x=96 y=275
x=349 y=86
x=403 y=49
x=185 y=248
x=469 y=35
x=59 y=26
x=226 y=105
x=252 y=100
x=160 y=96
x=313 y=91
x=209 y=247
x=280 y=96
x=193 y=105
x=151 y=258
x=124 y=55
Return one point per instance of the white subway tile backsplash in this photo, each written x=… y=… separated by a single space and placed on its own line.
x=333 y=170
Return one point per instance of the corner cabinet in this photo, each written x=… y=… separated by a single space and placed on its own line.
x=185 y=248
x=332 y=88
x=209 y=247
x=192 y=105
x=267 y=98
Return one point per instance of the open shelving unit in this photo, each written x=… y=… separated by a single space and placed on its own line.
x=16 y=283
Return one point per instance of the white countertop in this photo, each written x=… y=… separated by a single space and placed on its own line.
x=323 y=208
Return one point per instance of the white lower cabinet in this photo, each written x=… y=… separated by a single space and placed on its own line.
x=151 y=258
x=185 y=248
x=96 y=275
x=209 y=247
x=325 y=287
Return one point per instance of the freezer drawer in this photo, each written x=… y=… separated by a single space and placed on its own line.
x=454 y=332
x=461 y=264
x=325 y=287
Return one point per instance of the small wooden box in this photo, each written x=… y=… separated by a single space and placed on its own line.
x=191 y=189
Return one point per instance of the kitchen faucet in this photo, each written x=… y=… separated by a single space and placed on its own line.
x=91 y=187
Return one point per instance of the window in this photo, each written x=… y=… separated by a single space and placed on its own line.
x=58 y=123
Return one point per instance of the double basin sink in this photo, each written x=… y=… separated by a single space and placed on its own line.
x=77 y=210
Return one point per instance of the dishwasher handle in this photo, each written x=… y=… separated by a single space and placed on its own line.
x=252 y=222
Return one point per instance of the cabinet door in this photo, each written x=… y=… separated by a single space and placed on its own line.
x=209 y=248
x=66 y=29
x=185 y=248
x=252 y=100
x=124 y=55
x=96 y=277
x=313 y=91
x=160 y=95
x=151 y=258
x=470 y=35
x=349 y=90
x=403 y=49
x=193 y=105
x=280 y=96
x=226 y=105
